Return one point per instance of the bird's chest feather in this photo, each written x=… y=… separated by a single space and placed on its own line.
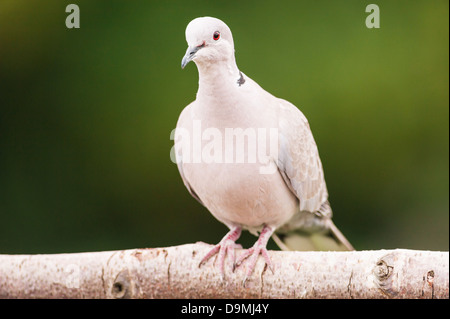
x=240 y=194
x=229 y=158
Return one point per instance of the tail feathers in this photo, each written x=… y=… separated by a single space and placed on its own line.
x=339 y=237
x=330 y=240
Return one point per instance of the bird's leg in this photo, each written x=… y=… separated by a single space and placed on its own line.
x=225 y=247
x=258 y=248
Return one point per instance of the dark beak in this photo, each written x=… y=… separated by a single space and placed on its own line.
x=190 y=54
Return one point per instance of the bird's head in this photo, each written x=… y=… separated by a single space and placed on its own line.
x=209 y=41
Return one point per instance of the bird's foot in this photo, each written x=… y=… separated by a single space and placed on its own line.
x=258 y=248
x=225 y=248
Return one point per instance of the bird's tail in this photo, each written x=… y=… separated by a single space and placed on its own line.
x=330 y=239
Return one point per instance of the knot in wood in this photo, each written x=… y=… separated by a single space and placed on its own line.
x=430 y=277
x=121 y=287
x=383 y=272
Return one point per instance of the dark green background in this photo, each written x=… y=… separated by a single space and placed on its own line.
x=86 y=116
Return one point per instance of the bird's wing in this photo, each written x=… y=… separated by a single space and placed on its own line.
x=178 y=148
x=298 y=159
x=299 y=164
x=186 y=183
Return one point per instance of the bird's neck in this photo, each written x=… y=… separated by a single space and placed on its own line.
x=217 y=80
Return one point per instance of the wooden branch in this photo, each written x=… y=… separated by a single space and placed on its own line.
x=173 y=272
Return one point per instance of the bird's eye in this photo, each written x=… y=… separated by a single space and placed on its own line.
x=216 y=35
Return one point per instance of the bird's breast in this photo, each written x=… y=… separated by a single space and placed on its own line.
x=229 y=156
x=240 y=194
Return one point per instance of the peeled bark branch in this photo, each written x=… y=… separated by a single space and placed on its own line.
x=173 y=272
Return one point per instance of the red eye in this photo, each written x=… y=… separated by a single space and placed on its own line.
x=216 y=35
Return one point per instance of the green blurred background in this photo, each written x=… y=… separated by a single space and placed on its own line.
x=86 y=116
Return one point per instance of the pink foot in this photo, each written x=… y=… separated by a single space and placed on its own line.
x=258 y=248
x=226 y=247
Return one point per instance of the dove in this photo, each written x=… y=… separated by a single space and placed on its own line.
x=283 y=193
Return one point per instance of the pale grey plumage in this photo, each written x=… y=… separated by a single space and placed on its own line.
x=293 y=198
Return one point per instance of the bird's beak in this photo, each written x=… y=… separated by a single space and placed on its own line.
x=190 y=54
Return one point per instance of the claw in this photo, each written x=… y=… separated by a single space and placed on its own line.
x=225 y=247
x=255 y=251
x=211 y=253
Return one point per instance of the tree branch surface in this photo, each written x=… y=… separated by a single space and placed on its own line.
x=174 y=272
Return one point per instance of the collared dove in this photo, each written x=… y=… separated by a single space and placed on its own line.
x=291 y=200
